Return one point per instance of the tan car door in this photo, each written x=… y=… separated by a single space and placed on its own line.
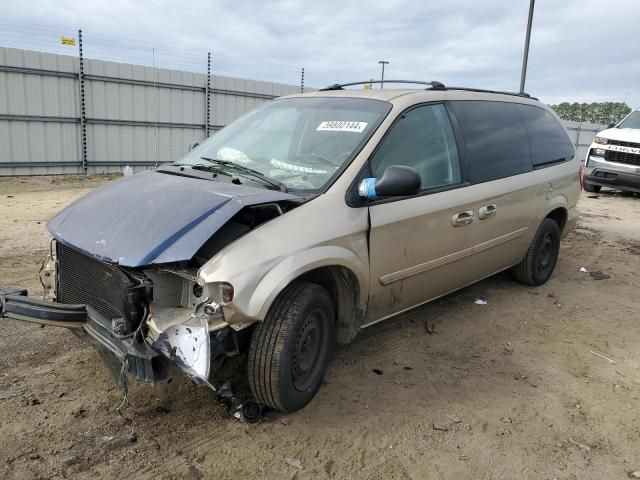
x=420 y=247
x=498 y=157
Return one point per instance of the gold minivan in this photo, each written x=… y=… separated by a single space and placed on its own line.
x=302 y=223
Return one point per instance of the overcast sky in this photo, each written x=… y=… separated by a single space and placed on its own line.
x=581 y=50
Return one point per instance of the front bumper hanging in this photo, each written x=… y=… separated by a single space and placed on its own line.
x=143 y=363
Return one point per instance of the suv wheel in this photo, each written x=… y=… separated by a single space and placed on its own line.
x=290 y=349
x=538 y=264
x=588 y=187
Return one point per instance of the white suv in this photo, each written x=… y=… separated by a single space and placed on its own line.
x=614 y=157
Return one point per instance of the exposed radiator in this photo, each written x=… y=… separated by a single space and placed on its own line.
x=105 y=287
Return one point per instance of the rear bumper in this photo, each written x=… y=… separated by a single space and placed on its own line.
x=142 y=362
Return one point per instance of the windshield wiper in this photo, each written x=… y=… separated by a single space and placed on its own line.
x=246 y=170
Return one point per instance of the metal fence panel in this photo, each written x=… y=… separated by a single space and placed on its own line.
x=135 y=115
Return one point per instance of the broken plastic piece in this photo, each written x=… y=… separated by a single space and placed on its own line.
x=599 y=275
x=584 y=270
x=479 y=301
x=187 y=346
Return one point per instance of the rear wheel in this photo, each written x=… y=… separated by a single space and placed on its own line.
x=589 y=187
x=539 y=262
x=291 y=348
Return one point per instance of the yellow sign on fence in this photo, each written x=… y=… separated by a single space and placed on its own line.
x=67 y=40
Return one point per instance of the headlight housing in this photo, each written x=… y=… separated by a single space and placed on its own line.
x=220 y=292
x=601 y=140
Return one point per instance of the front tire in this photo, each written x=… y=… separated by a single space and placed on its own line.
x=588 y=187
x=291 y=348
x=538 y=264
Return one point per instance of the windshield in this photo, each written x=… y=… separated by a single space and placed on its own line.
x=632 y=121
x=300 y=142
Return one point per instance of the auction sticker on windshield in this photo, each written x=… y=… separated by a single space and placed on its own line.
x=341 y=126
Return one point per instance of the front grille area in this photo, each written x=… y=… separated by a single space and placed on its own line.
x=622 y=157
x=85 y=280
x=623 y=144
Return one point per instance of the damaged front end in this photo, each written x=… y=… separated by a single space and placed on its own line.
x=126 y=280
x=144 y=318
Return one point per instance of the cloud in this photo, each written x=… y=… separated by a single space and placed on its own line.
x=582 y=50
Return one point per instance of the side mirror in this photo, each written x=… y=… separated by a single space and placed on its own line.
x=396 y=181
x=193 y=145
x=611 y=125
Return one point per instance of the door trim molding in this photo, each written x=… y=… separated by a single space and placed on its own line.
x=450 y=258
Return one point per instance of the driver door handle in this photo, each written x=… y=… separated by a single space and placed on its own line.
x=463 y=218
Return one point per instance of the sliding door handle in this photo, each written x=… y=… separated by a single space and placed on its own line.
x=462 y=218
x=487 y=211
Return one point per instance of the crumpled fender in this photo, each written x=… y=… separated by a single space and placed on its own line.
x=290 y=268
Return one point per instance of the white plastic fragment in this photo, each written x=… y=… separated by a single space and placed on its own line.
x=480 y=301
x=602 y=356
x=584 y=270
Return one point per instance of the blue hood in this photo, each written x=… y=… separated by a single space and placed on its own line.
x=153 y=217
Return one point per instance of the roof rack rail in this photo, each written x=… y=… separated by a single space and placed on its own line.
x=501 y=92
x=435 y=85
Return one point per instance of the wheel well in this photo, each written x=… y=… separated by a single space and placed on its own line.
x=559 y=215
x=343 y=286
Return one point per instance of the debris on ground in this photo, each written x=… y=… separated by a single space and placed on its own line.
x=602 y=356
x=634 y=474
x=377 y=371
x=440 y=427
x=294 y=462
x=581 y=446
x=506 y=420
x=430 y=327
x=480 y=301
x=599 y=275
x=584 y=270
x=72 y=460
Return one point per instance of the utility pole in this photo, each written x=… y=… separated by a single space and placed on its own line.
x=525 y=57
x=383 y=63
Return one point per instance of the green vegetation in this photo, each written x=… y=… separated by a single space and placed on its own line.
x=603 y=113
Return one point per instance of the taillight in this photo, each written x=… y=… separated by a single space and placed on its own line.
x=581 y=175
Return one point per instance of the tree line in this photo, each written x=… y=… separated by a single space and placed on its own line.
x=602 y=113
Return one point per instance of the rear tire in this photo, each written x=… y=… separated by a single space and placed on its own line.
x=589 y=187
x=538 y=264
x=291 y=348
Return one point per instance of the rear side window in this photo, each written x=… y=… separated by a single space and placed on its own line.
x=495 y=137
x=548 y=141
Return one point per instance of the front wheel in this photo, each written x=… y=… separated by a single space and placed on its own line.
x=538 y=264
x=291 y=348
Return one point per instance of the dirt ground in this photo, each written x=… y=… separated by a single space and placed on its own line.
x=512 y=389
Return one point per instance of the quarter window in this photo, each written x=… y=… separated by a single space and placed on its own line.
x=548 y=141
x=423 y=139
x=495 y=138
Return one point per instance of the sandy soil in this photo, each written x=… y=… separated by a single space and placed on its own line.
x=512 y=389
